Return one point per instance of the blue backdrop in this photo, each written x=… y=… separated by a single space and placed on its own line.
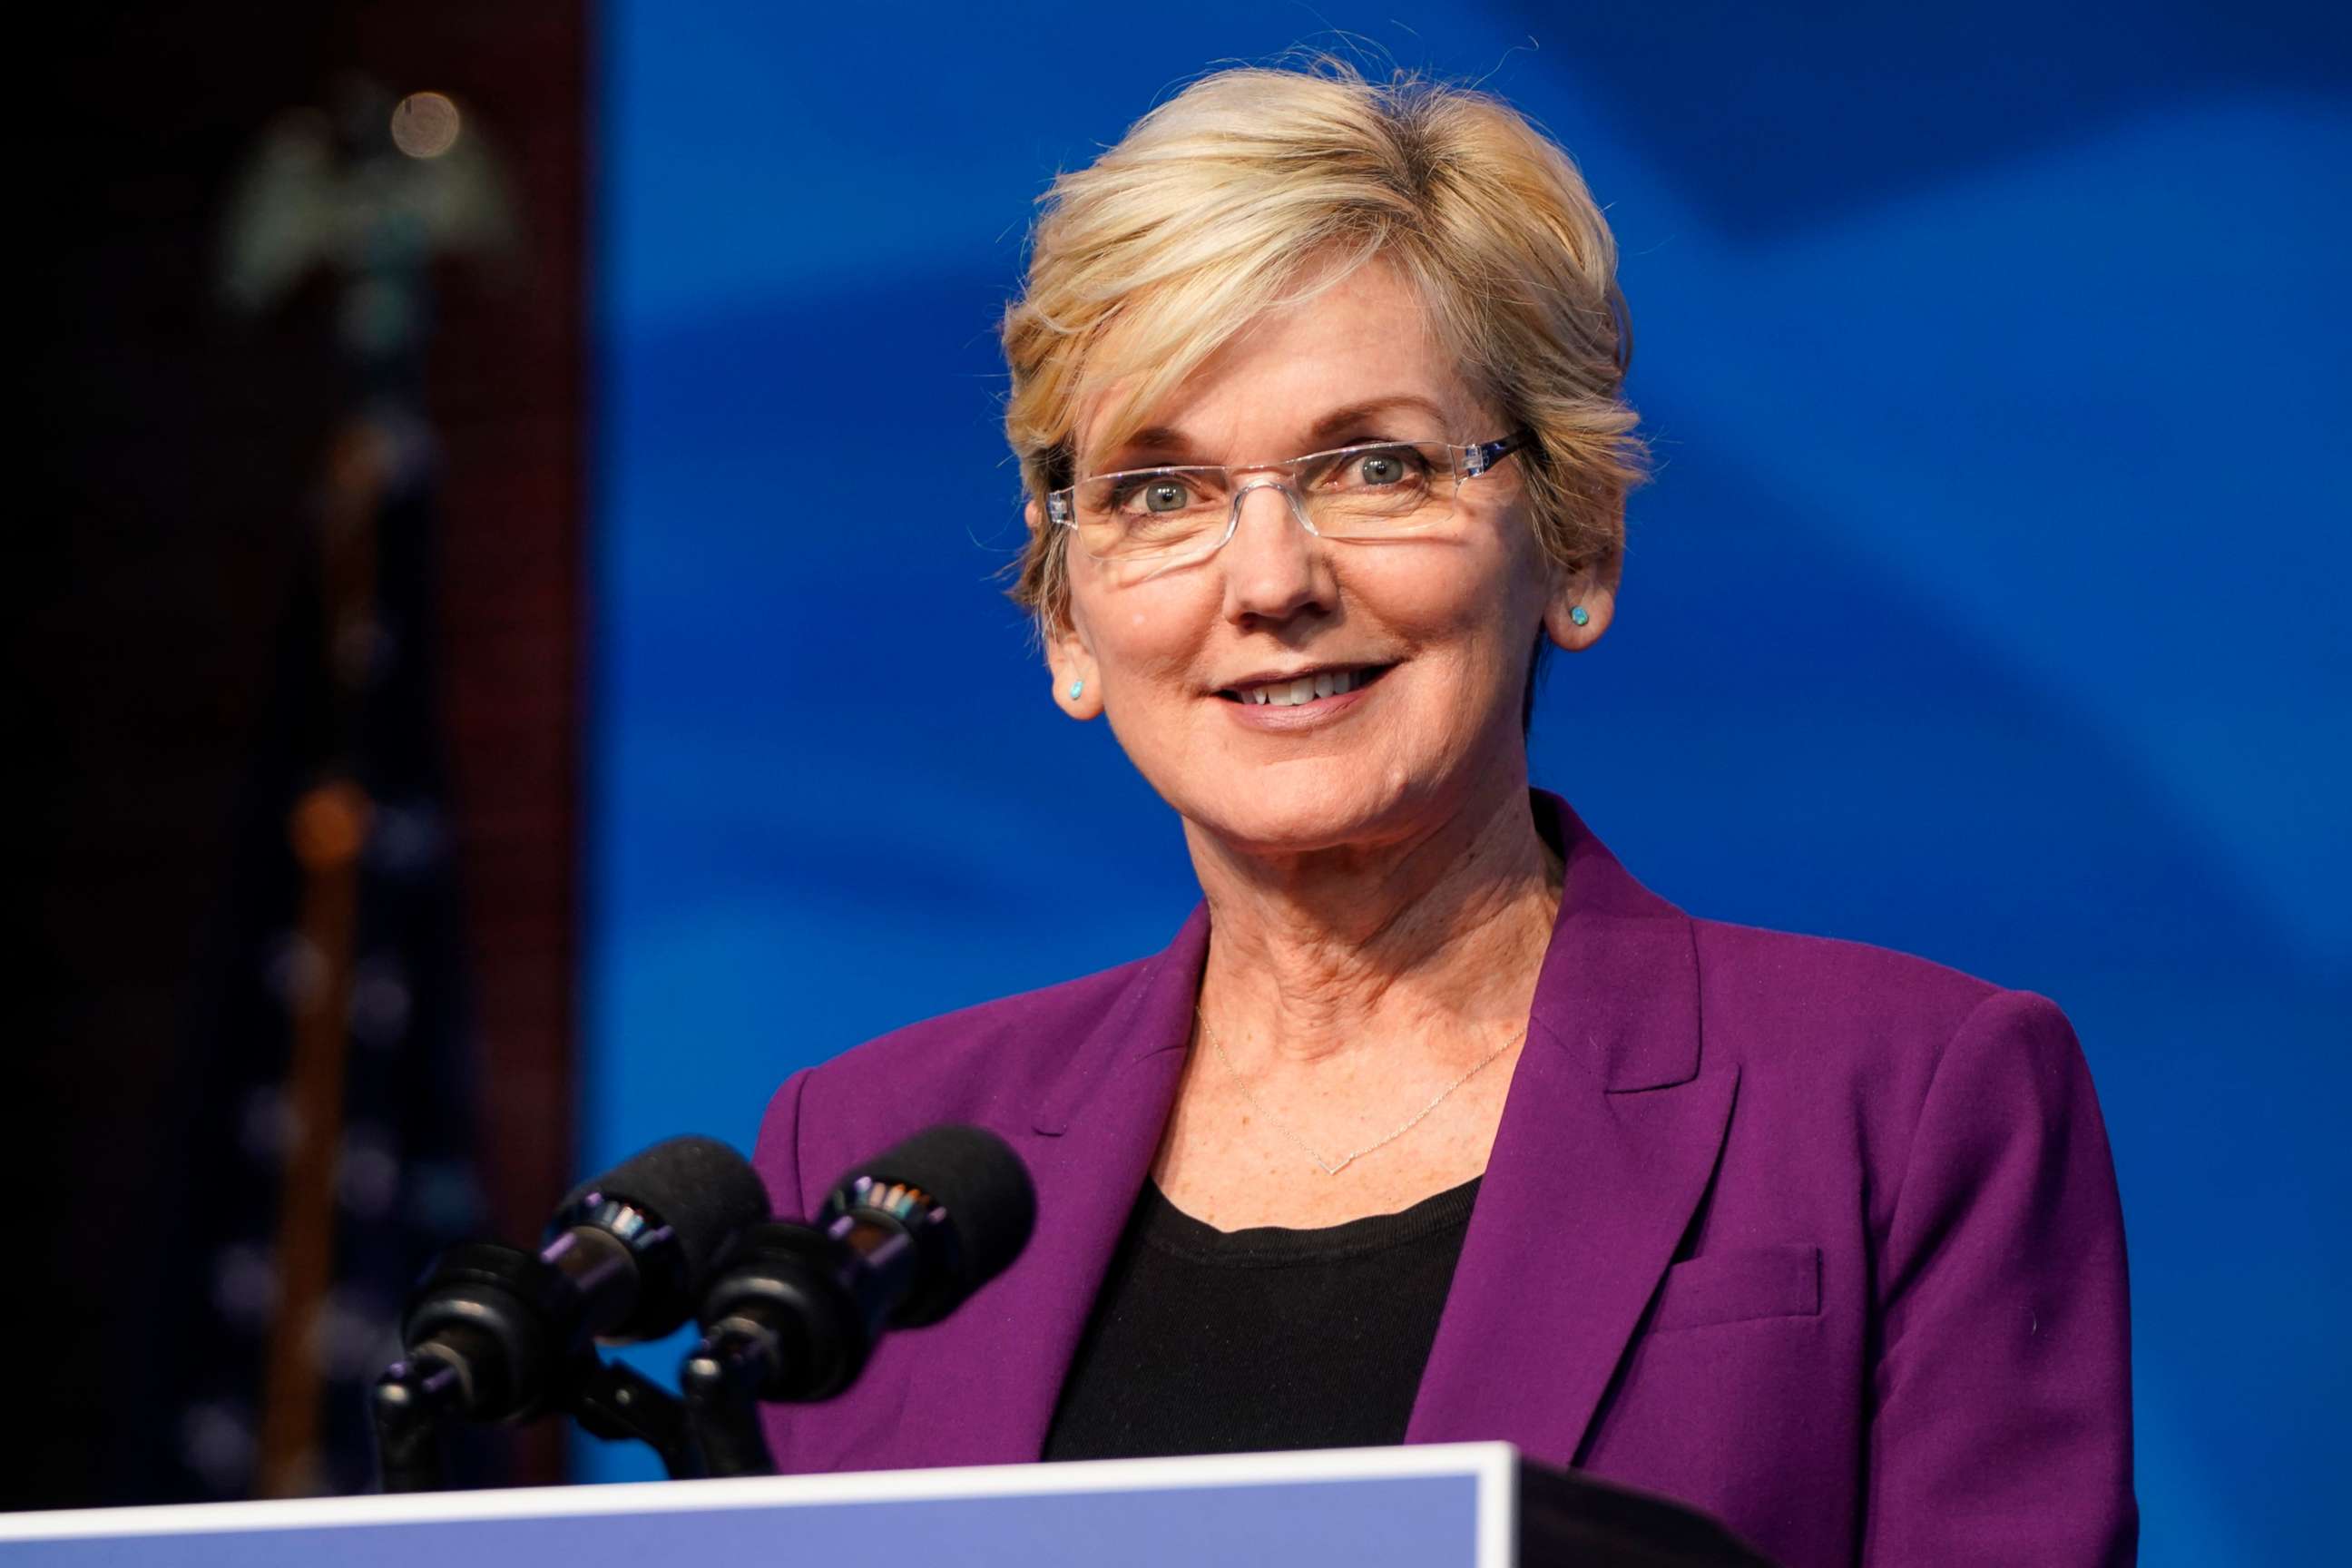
x=1988 y=602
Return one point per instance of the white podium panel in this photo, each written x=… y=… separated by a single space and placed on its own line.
x=1453 y=1506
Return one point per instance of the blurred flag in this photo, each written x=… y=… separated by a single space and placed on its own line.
x=327 y=1154
x=326 y=1148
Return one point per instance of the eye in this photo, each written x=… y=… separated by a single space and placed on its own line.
x=1380 y=468
x=1147 y=495
x=1154 y=496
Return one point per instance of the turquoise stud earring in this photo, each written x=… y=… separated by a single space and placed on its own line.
x=1078 y=689
x=1580 y=615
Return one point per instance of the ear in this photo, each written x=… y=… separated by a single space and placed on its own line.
x=1592 y=593
x=1077 y=686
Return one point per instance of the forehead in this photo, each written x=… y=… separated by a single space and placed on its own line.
x=1357 y=337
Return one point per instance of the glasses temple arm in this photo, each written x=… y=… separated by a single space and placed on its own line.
x=1477 y=460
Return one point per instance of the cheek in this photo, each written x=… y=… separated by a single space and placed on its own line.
x=1143 y=634
x=1454 y=606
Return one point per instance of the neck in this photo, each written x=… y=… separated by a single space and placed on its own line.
x=1437 y=936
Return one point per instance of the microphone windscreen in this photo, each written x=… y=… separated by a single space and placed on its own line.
x=978 y=1180
x=699 y=1187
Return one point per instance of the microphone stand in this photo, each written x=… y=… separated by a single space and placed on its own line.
x=412 y=1406
x=722 y=1380
x=416 y=1403
x=615 y=1402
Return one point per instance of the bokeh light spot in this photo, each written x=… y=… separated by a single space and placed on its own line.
x=425 y=124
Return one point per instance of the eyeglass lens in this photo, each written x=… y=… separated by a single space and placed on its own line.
x=1353 y=493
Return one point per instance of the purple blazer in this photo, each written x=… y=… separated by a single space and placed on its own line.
x=1819 y=1237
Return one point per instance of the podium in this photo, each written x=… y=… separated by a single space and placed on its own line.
x=1473 y=1505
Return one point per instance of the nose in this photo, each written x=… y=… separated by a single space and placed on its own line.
x=1274 y=563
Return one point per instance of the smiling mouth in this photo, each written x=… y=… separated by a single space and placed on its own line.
x=1305 y=687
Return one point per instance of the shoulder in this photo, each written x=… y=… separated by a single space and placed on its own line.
x=1830 y=1030
x=1835 y=1021
x=970 y=1060
x=988 y=1065
x=1789 y=988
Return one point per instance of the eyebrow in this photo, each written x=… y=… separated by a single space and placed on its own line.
x=1166 y=443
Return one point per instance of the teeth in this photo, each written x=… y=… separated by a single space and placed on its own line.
x=1305 y=689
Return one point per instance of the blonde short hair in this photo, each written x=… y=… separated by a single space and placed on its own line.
x=1209 y=212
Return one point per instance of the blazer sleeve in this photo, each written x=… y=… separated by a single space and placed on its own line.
x=2001 y=1426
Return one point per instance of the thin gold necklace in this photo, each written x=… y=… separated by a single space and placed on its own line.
x=1333 y=1167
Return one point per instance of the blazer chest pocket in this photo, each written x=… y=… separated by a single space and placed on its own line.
x=1737 y=1284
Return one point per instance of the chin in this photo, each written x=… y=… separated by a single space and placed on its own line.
x=1296 y=817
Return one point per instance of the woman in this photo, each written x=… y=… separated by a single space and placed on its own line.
x=1432 y=1123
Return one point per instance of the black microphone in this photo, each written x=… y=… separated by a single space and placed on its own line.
x=495 y=1333
x=794 y=1309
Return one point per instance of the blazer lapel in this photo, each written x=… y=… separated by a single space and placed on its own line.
x=1607 y=1140
x=1091 y=1144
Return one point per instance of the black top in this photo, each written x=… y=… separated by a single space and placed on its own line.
x=1209 y=1342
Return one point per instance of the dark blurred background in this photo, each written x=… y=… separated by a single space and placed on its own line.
x=195 y=448
x=516 y=665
